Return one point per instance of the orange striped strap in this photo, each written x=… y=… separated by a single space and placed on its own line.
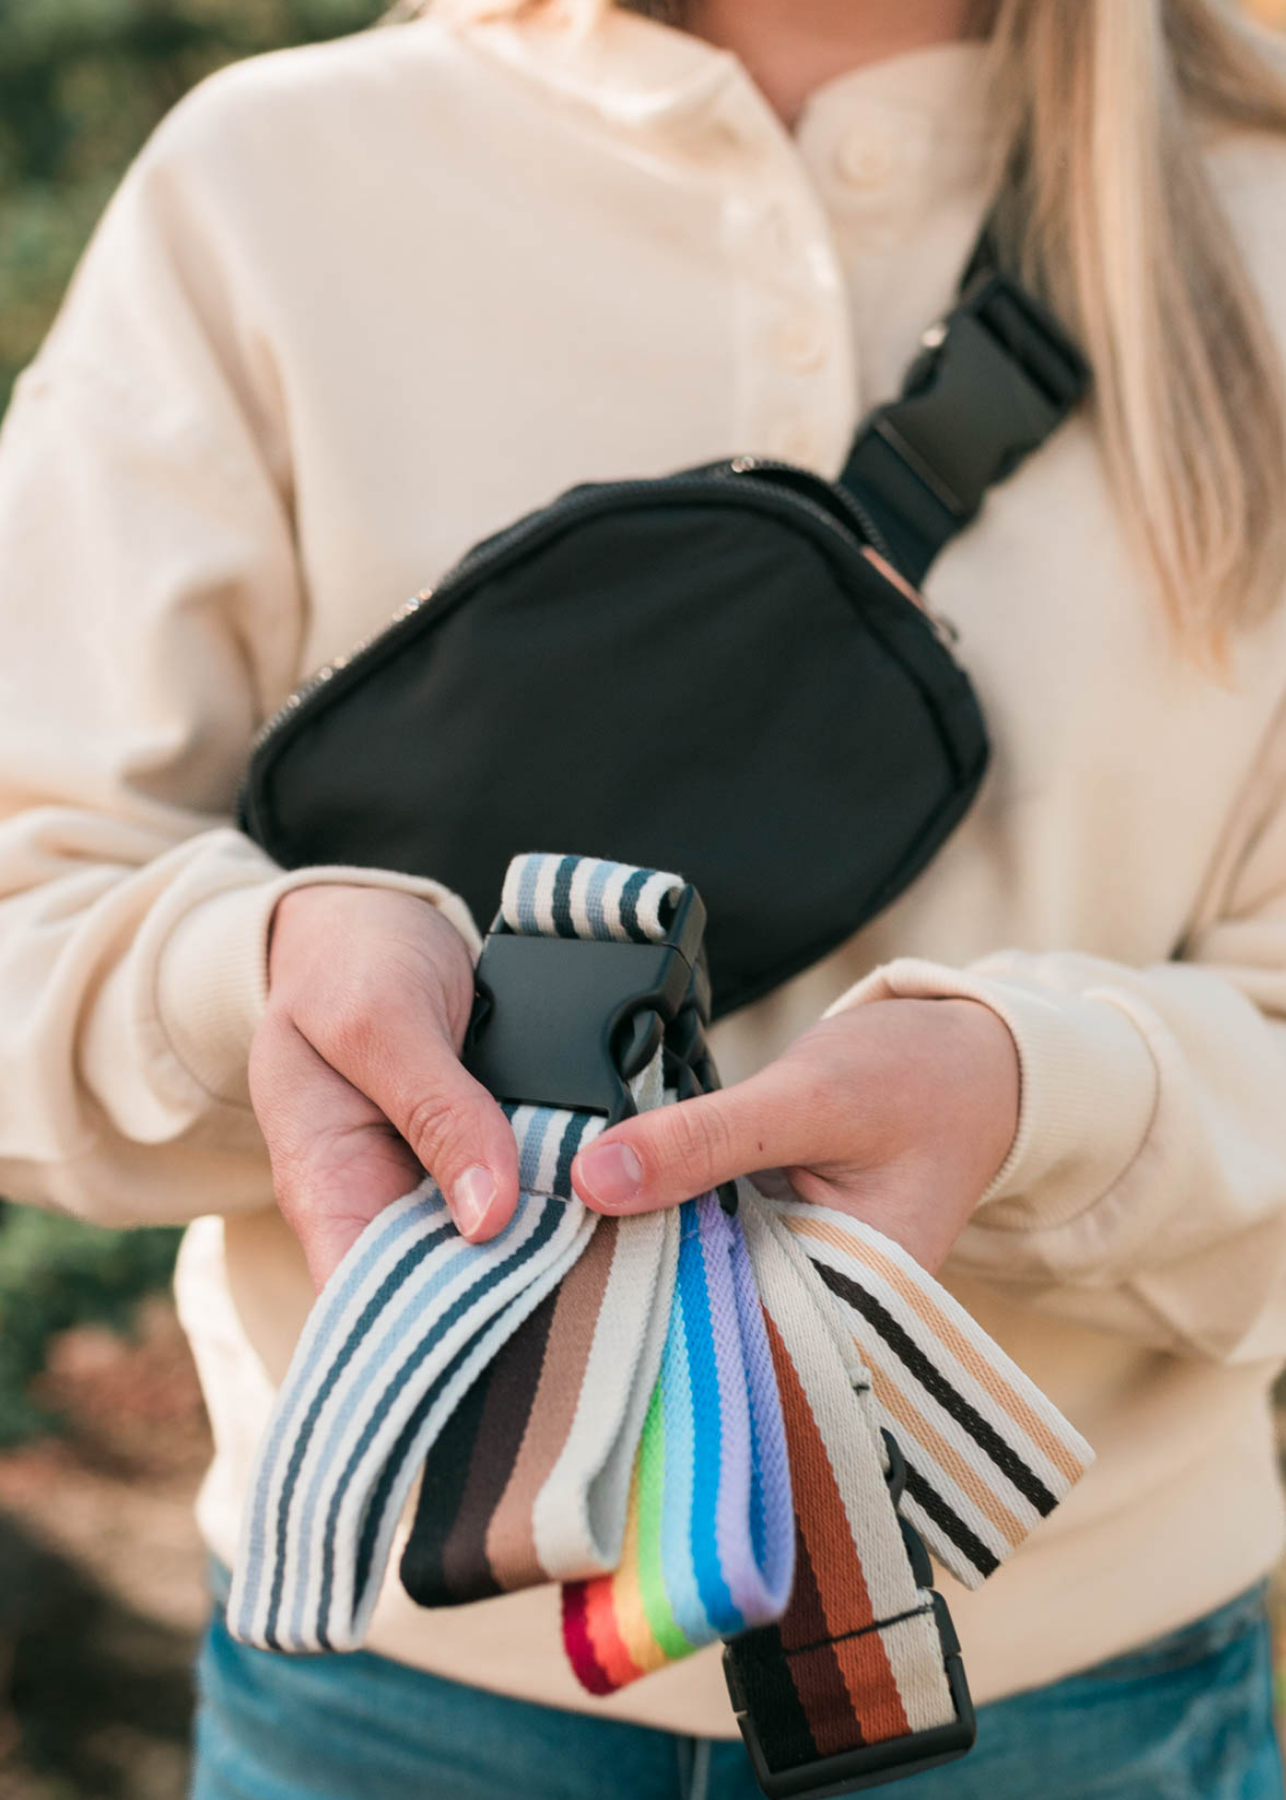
x=904 y=1422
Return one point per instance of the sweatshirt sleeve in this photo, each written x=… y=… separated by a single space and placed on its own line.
x=150 y=616
x=1145 y=1191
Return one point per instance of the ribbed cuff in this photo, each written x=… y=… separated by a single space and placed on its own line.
x=212 y=974
x=1088 y=1085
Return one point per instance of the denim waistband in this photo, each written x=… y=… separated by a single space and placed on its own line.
x=1200 y=1637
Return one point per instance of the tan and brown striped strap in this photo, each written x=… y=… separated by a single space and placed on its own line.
x=899 y=1414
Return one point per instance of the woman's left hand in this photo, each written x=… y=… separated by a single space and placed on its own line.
x=898 y=1111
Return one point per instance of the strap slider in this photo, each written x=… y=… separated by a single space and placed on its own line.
x=568 y=1022
x=869 y=1765
x=865 y=1765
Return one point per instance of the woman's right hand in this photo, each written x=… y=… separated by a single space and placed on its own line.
x=355 y=1074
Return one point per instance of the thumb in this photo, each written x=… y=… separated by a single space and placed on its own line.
x=460 y=1136
x=673 y=1153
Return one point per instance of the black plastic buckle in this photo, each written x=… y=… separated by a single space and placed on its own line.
x=568 y=1022
x=994 y=380
x=872 y=1765
x=1025 y=329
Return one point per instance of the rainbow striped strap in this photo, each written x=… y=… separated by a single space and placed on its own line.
x=703 y=1425
x=710 y=1540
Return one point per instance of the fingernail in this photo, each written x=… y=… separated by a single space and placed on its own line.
x=610 y=1174
x=471 y=1198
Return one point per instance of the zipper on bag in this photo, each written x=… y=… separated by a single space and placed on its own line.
x=836 y=511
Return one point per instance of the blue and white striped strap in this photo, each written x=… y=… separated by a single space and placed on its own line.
x=415 y=1316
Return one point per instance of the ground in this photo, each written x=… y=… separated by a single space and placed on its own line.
x=101 y=1573
x=101 y=1589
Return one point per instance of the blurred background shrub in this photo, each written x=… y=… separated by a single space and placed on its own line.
x=82 y=82
x=56 y=1273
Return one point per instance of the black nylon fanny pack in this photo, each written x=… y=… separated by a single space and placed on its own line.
x=725 y=672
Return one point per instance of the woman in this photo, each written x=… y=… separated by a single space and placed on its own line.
x=358 y=305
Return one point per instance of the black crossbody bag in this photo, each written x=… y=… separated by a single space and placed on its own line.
x=728 y=673
x=725 y=672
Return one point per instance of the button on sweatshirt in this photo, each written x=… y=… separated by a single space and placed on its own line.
x=356 y=306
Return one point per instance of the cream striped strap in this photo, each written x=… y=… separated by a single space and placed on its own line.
x=741 y=1419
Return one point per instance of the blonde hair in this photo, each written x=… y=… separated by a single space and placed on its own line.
x=1105 y=208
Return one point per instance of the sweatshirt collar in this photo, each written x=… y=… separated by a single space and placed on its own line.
x=632 y=70
x=643 y=75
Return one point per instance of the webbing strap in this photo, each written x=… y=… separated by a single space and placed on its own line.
x=709 y=1540
x=704 y=1424
x=980 y=1456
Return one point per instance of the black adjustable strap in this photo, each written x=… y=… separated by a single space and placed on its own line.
x=994 y=380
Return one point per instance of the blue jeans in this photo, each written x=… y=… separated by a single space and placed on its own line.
x=1187 y=1717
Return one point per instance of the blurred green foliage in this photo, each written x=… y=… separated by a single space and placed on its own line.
x=56 y=1272
x=82 y=83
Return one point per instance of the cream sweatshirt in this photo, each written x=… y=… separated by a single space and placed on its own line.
x=357 y=305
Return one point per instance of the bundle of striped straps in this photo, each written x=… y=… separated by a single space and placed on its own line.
x=738 y=1422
